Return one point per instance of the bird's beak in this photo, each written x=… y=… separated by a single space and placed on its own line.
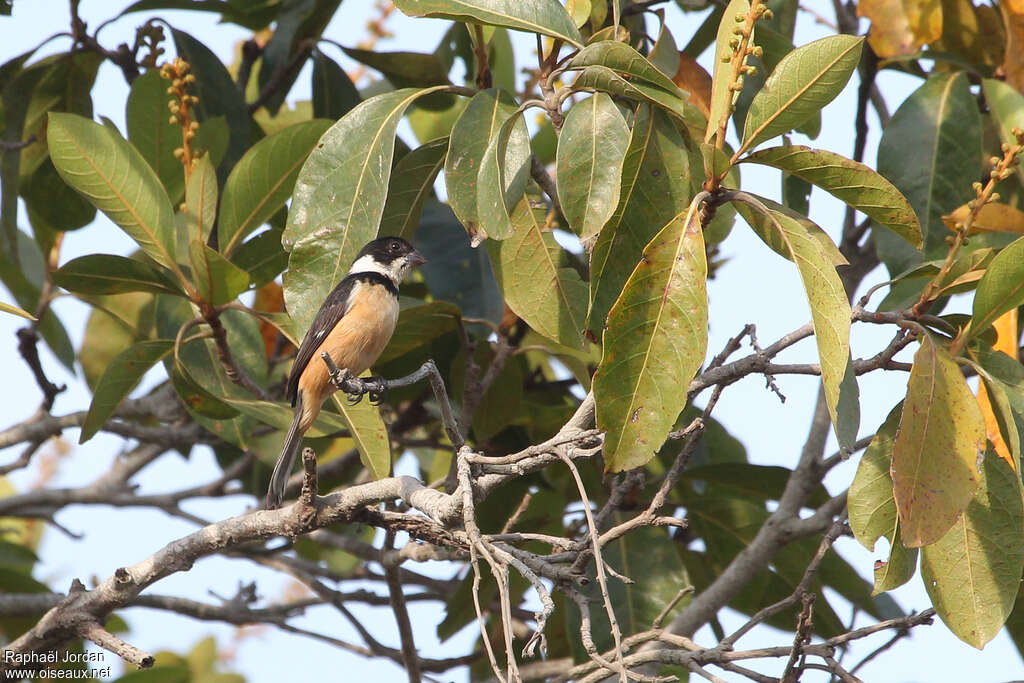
x=416 y=258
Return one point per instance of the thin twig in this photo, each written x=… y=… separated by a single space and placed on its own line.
x=397 y=597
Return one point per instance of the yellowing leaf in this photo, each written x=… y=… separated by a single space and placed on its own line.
x=856 y=184
x=972 y=33
x=655 y=341
x=993 y=217
x=973 y=572
x=901 y=27
x=872 y=510
x=814 y=253
x=8 y=308
x=936 y=454
x=721 y=97
x=1006 y=341
x=1013 y=58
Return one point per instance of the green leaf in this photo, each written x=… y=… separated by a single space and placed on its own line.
x=475 y=128
x=218 y=96
x=830 y=310
x=404 y=69
x=551 y=298
x=454 y=270
x=872 y=509
x=1001 y=288
x=1007 y=108
x=297 y=25
x=217 y=279
x=262 y=257
x=204 y=406
x=370 y=434
x=66 y=87
x=502 y=60
x=852 y=182
x=648 y=557
x=940 y=441
x=501 y=181
x=430 y=124
x=973 y=572
x=603 y=79
x=201 y=200
x=280 y=415
x=656 y=185
x=212 y=140
x=115 y=323
x=338 y=200
x=122 y=375
x=728 y=525
x=655 y=342
x=52 y=202
x=263 y=179
x=622 y=58
x=588 y=171
x=756 y=482
x=804 y=81
x=774 y=47
x=334 y=94
x=546 y=17
x=417 y=325
x=14 y=310
x=502 y=402
x=110 y=274
x=664 y=54
x=152 y=133
x=24 y=281
x=16 y=97
x=112 y=175
x=932 y=152
x=200 y=378
x=413 y=182
x=721 y=96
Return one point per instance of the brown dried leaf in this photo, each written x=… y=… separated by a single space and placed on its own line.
x=694 y=79
x=993 y=217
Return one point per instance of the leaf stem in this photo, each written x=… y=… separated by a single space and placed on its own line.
x=1001 y=169
x=738 y=61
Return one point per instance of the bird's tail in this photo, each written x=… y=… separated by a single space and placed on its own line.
x=283 y=468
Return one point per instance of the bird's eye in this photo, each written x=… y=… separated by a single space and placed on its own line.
x=393 y=246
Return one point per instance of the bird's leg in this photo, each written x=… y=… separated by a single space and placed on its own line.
x=355 y=387
x=344 y=380
x=375 y=387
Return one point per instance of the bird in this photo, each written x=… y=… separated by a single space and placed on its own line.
x=353 y=326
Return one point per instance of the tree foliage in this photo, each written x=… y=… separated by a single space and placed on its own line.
x=579 y=462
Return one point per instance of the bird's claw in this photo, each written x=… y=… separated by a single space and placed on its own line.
x=372 y=386
x=375 y=388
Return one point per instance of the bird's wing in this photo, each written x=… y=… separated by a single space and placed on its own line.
x=333 y=310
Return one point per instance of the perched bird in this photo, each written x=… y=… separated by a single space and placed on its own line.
x=353 y=326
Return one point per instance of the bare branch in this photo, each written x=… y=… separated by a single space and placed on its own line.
x=397 y=597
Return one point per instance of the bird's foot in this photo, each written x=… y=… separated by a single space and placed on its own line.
x=375 y=387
